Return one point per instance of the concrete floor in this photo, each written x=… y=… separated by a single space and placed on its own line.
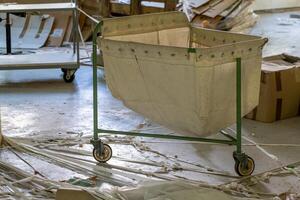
x=37 y=103
x=282 y=31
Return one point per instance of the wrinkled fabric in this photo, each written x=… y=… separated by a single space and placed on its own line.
x=155 y=73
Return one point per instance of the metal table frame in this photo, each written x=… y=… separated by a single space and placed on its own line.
x=70 y=62
x=244 y=165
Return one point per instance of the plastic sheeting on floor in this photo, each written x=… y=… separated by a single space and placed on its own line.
x=170 y=191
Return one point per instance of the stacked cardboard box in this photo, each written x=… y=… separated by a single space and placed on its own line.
x=133 y=7
x=280 y=89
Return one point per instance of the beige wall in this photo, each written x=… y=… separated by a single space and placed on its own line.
x=272 y=4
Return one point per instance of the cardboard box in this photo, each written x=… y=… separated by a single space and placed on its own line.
x=59 y=29
x=279 y=90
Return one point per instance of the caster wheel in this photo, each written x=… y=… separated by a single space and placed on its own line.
x=69 y=78
x=63 y=70
x=244 y=168
x=104 y=156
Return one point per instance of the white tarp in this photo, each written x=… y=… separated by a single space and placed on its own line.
x=26 y=33
x=17 y=26
x=150 y=66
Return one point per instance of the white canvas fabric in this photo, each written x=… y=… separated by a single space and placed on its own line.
x=150 y=66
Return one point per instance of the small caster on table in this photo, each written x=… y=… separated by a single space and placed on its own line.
x=69 y=75
x=103 y=153
x=69 y=78
x=244 y=165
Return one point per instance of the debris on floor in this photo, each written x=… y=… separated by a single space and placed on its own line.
x=170 y=190
x=233 y=15
x=113 y=181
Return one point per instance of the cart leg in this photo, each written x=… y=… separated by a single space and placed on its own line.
x=8 y=34
x=239 y=106
x=244 y=165
x=101 y=152
x=95 y=84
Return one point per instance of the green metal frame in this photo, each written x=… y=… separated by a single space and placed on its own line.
x=230 y=140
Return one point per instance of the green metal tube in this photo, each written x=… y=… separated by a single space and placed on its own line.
x=77 y=34
x=239 y=105
x=95 y=82
x=166 y=136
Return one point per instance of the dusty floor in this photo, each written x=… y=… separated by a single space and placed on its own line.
x=38 y=105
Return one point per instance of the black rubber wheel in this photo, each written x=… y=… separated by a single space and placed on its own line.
x=104 y=156
x=63 y=70
x=245 y=169
x=68 y=78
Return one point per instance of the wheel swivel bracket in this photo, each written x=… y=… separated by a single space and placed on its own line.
x=240 y=157
x=98 y=145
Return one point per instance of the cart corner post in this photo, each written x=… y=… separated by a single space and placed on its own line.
x=239 y=105
x=95 y=85
x=101 y=152
x=244 y=164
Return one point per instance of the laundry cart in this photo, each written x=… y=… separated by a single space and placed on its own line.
x=194 y=81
